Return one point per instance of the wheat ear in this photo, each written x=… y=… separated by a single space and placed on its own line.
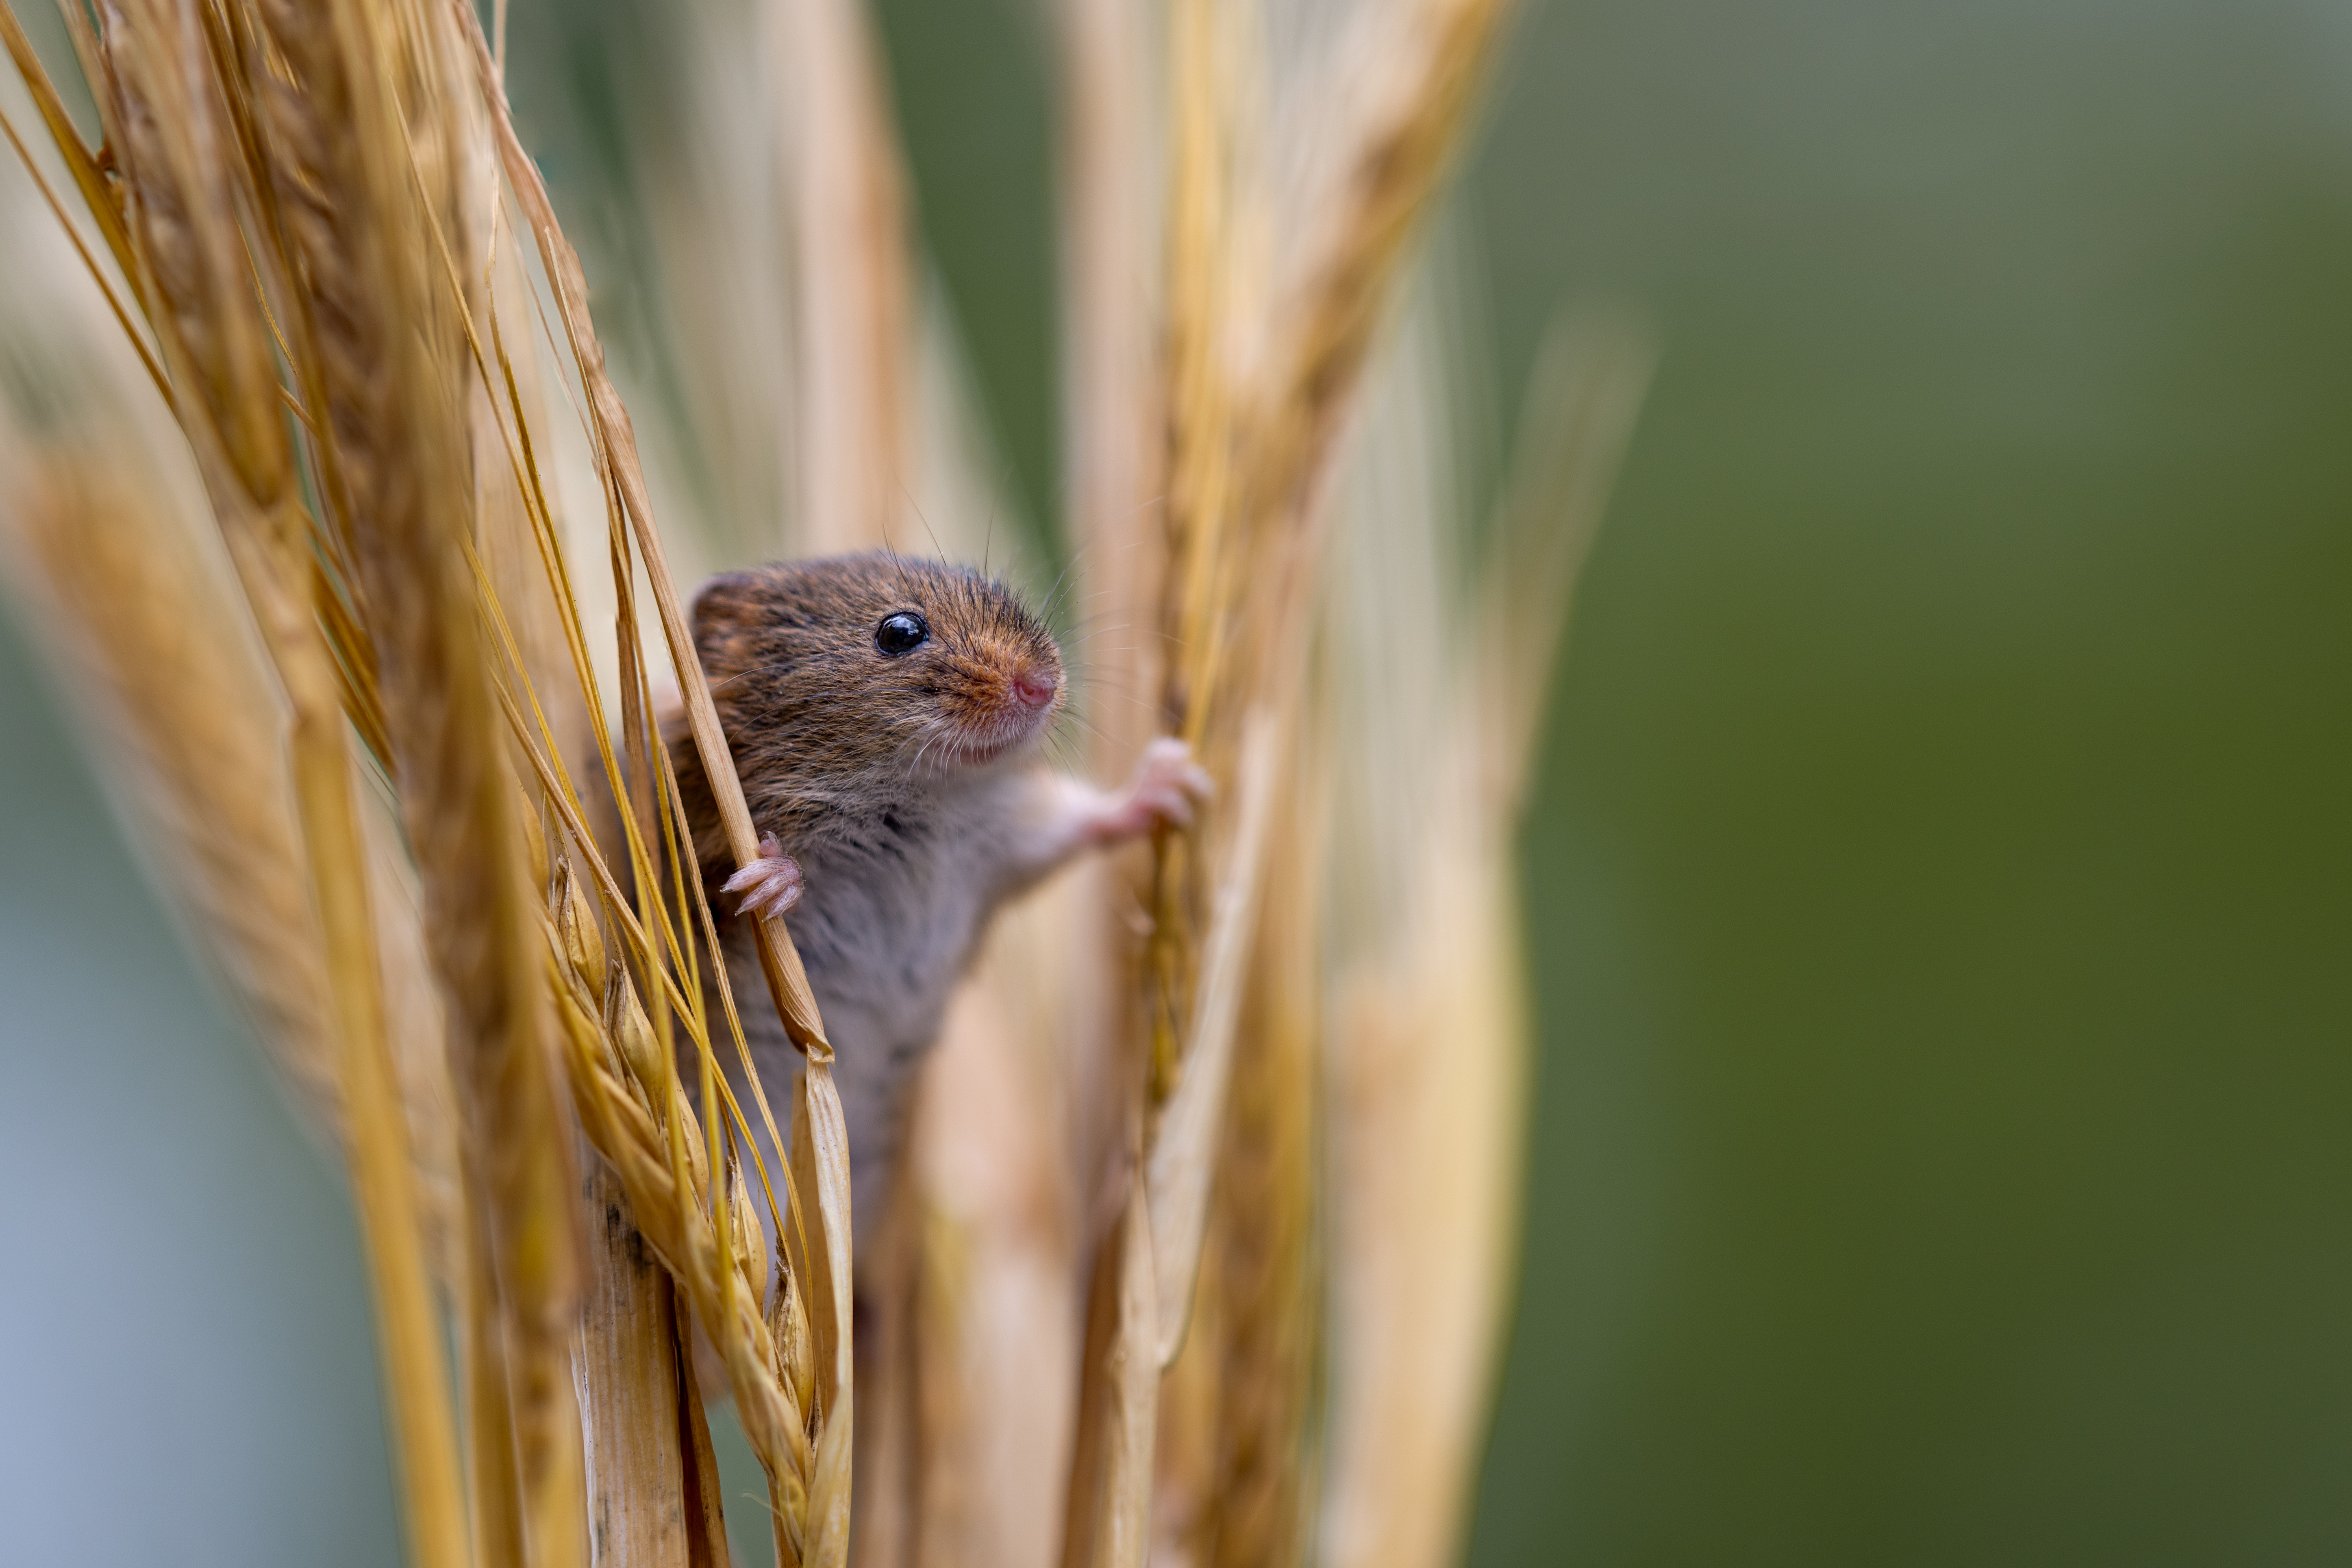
x=1245 y=602
x=390 y=394
x=820 y=1139
x=226 y=399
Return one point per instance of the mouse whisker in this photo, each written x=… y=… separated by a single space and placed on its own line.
x=1064 y=580
x=917 y=508
x=719 y=686
x=1091 y=622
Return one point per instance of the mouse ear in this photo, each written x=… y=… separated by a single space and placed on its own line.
x=722 y=599
x=723 y=612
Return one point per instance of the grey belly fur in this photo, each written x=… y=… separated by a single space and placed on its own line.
x=887 y=922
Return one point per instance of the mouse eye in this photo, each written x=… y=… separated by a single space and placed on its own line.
x=902 y=633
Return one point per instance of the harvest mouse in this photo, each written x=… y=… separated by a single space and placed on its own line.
x=884 y=714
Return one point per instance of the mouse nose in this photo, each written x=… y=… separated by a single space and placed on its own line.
x=1034 y=688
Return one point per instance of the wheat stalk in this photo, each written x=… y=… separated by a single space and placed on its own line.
x=1267 y=1205
x=849 y=275
x=636 y=1113
x=1423 y=1160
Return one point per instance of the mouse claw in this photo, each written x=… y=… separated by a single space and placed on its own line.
x=1169 y=782
x=769 y=885
x=1168 y=787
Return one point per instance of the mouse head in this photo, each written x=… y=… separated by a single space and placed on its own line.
x=864 y=664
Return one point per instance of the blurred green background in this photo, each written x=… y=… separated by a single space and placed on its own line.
x=1940 y=882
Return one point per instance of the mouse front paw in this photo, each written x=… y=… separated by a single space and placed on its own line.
x=1168 y=786
x=768 y=886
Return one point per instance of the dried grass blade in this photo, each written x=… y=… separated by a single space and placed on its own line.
x=1182 y=1158
x=1423 y=1246
x=821 y=1167
x=41 y=182
x=1266 y=1323
x=1197 y=524
x=1200 y=390
x=706 y=1525
x=1584 y=395
x=1110 y=1516
x=851 y=275
x=1111 y=405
